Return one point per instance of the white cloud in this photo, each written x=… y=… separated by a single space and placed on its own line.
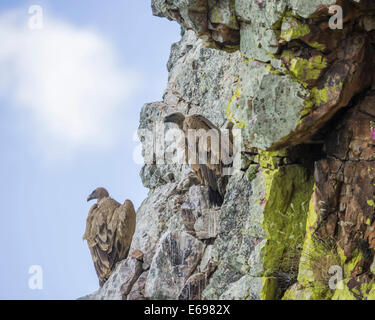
x=68 y=79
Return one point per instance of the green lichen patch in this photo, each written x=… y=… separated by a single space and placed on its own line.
x=324 y=270
x=343 y=294
x=270 y=160
x=304 y=70
x=273 y=70
x=349 y=264
x=358 y=288
x=299 y=292
x=317 y=98
x=316 y=45
x=234 y=103
x=321 y=96
x=288 y=190
x=251 y=172
x=369 y=291
x=291 y=29
x=270 y=288
x=316 y=259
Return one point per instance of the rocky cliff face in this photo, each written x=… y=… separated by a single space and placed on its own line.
x=299 y=210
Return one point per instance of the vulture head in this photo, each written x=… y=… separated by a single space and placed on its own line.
x=98 y=193
x=177 y=118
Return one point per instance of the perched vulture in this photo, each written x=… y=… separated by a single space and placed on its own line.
x=109 y=231
x=199 y=142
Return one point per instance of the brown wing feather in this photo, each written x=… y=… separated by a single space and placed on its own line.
x=209 y=176
x=208 y=173
x=197 y=121
x=109 y=232
x=125 y=227
x=101 y=234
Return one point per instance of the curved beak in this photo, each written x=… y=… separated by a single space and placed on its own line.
x=168 y=119
x=91 y=197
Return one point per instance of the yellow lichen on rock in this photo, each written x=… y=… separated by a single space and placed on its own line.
x=288 y=189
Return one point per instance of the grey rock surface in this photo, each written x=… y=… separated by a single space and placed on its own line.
x=119 y=284
x=176 y=257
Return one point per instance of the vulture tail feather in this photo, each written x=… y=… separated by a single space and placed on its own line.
x=215 y=197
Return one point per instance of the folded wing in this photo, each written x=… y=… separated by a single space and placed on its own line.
x=109 y=231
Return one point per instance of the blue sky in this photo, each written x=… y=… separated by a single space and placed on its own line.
x=70 y=96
